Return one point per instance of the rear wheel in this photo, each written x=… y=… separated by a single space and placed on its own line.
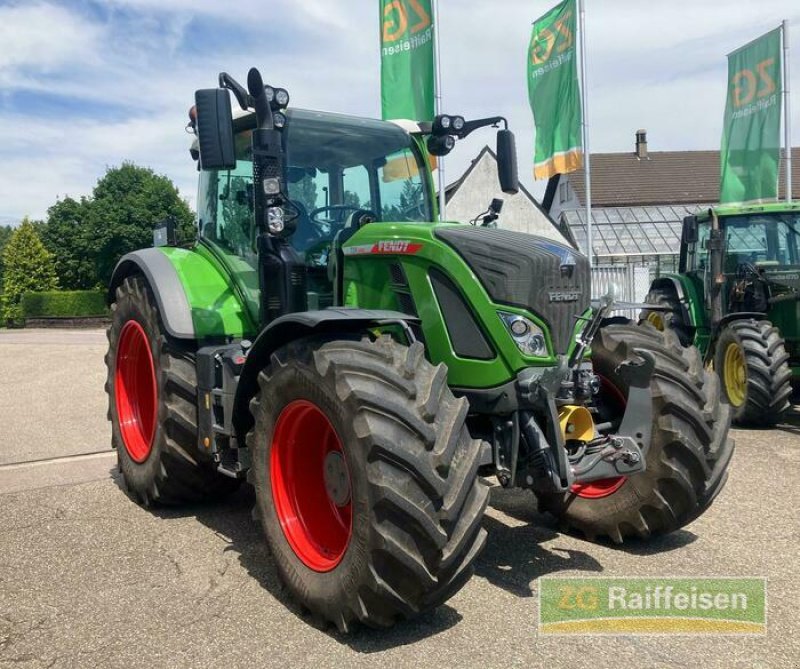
x=668 y=319
x=366 y=479
x=152 y=398
x=688 y=454
x=753 y=365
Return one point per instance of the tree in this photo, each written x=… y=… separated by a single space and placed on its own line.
x=67 y=237
x=5 y=235
x=126 y=205
x=305 y=191
x=28 y=266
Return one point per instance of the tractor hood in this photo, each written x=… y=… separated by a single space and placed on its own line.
x=548 y=279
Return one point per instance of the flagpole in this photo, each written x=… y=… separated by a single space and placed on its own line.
x=586 y=152
x=438 y=106
x=787 y=111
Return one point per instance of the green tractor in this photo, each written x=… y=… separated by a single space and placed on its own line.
x=736 y=299
x=366 y=369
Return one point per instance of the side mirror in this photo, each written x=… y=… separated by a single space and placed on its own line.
x=690 y=235
x=507 y=171
x=215 y=129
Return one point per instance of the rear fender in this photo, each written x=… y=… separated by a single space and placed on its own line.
x=194 y=297
x=163 y=279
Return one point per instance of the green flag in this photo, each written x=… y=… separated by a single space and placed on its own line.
x=407 y=60
x=751 y=130
x=553 y=91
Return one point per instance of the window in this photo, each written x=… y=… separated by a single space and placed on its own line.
x=697 y=253
x=761 y=240
x=563 y=192
x=225 y=205
x=338 y=165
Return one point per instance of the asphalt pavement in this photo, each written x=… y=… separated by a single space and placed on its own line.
x=89 y=579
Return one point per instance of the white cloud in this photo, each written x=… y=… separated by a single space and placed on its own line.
x=34 y=36
x=659 y=65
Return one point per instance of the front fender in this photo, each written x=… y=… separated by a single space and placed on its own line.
x=296 y=326
x=676 y=284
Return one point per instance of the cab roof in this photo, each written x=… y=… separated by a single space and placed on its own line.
x=744 y=209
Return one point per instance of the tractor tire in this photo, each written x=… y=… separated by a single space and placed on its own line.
x=366 y=479
x=753 y=366
x=670 y=319
x=688 y=455
x=152 y=406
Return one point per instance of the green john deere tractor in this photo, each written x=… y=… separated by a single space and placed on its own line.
x=736 y=299
x=366 y=369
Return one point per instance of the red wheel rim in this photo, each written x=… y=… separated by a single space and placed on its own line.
x=135 y=391
x=604 y=487
x=311 y=486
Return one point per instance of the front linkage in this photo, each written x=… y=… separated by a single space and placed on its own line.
x=571 y=448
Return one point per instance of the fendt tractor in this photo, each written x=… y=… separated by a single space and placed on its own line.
x=366 y=369
x=736 y=297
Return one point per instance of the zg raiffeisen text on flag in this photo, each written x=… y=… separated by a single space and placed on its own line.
x=751 y=134
x=407 y=60
x=554 y=93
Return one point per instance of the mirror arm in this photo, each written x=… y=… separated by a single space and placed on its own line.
x=241 y=95
x=472 y=126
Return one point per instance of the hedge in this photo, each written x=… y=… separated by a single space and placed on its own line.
x=64 y=304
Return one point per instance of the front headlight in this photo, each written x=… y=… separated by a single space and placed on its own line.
x=528 y=336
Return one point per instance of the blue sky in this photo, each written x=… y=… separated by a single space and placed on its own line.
x=85 y=85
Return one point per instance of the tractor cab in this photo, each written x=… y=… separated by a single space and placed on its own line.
x=340 y=172
x=757 y=255
x=281 y=190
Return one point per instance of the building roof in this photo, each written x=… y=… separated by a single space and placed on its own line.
x=451 y=189
x=631 y=231
x=677 y=177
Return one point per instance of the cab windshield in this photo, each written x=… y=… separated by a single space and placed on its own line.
x=763 y=240
x=336 y=165
x=340 y=164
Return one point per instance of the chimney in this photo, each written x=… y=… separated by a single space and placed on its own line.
x=641 y=144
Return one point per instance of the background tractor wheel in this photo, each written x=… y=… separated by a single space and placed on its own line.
x=688 y=455
x=671 y=319
x=753 y=365
x=152 y=398
x=366 y=479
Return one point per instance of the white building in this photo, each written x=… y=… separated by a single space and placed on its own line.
x=471 y=194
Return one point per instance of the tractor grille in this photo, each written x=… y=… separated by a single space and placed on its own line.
x=549 y=279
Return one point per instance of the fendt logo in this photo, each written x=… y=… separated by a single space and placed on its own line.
x=396 y=246
x=749 y=84
x=547 y=39
x=399 y=14
x=564 y=296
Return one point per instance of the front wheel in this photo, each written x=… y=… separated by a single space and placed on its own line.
x=753 y=365
x=689 y=450
x=668 y=319
x=366 y=479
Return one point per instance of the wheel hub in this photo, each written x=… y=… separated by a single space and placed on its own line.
x=310 y=484
x=656 y=319
x=337 y=481
x=135 y=391
x=735 y=374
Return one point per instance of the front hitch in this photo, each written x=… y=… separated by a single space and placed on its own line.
x=623 y=453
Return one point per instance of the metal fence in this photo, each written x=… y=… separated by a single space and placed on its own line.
x=631 y=284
